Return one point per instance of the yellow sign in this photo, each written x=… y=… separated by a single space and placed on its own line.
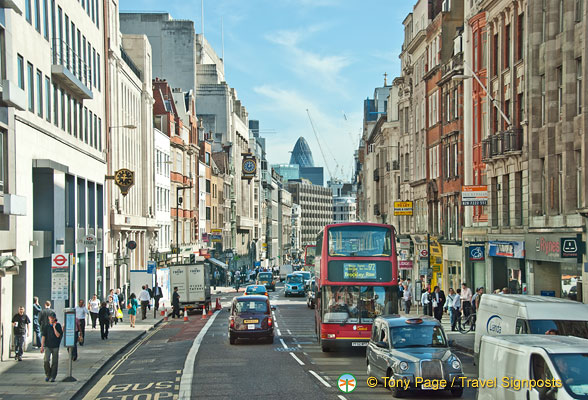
x=403 y=208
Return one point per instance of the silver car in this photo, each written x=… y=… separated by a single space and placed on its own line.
x=412 y=354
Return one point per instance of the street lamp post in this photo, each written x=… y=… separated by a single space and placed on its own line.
x=178 y=202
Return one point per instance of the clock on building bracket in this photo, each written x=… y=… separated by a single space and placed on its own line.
x=124 y=179
x=249 y=166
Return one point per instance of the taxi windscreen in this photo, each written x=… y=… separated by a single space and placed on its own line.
x=417 y=336
x=257 y=306
x=294 y=279
x=264 y=276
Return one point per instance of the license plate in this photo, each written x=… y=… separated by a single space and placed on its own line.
x=251 y=321
x=251 y=326
x=359 y=344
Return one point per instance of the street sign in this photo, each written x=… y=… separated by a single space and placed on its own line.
x=132 y=245
x=424 y=253
x=474 y=195
x=59 y=260
x=59 y=284
x=151 y=267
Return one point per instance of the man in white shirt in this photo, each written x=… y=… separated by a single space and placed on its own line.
x=466 y=299
x=425 y=302
x=144 y=298
x=81 y=314
x=407 y=298
x=456 y=316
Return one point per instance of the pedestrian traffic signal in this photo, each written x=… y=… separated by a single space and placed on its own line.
x=192 y=258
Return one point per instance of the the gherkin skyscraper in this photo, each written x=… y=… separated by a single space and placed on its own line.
x=301 y=154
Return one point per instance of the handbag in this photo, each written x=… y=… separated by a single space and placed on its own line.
x=119 y=314
x=129 y=306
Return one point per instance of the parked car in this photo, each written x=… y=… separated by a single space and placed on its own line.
x=255 y=290
x=267 y=279
x=311 y=294
x=251 y=318
x=294 y=285
x=406 y=348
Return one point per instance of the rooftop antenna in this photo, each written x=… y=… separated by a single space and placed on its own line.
x=202 y=15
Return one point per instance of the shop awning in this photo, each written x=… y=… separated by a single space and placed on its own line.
x=218 y=263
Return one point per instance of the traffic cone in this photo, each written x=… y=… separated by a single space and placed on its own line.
x=185 y=315
x=209 y=310
x=165 y=315
x=218 y=305
x=163 y=309
x=204 y=312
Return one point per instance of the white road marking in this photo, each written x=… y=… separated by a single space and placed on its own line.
x=317 y=376
x=279 y=333
x=188 y=371
x=283 y=343
x=341 y=397
x=296 y=358
x=289 y=331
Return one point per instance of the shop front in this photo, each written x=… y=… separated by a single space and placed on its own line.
x=554 y=261
x=476 y=256
x=507 y=266
x=453 y=267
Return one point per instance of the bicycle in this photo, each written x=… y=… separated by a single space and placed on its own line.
x=467 y=324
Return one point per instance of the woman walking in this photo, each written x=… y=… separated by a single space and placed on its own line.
x=94 y=307
x=105 y=320
x=112 y=310
x=133 y=304
x=449 y=306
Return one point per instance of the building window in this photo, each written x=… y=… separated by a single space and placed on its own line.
x=98 y=70
x=90 y=129
x=579 y=86
x=63 y=109
x=494 y=200
x=31 y=83
x=560 y=189
x=20 y=71
x=455 y=160
x=544 y=22
x=495 y=55
x=520 y=36
x=579 y=10
x=505 y=200
x=48 y=98
x=55 y=105
x=69 y=101
x=46 y=19
x=559 y=75
x=95 y=131
x=39 y=94
x=543 y=116
x=37 y=16
x=518 y=198
x=507 y=46
x=75 y=118
x=561 y=16
x=543 y=186
x=28 y=11
x=579 y=179
x=86 y=124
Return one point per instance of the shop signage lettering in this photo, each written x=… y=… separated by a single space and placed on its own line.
x=547 y=247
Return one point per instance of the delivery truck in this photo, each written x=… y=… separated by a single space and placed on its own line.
x=193 y=283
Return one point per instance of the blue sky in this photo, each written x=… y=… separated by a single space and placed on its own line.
x=286 y=56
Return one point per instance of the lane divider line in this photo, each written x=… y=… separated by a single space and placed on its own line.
x=188 y=371
x=283 y=343
x=296 y=358
x=279 y=333
x=321 y=380
x=341 y=397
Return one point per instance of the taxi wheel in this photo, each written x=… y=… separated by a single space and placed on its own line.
x=397 y=391
x=457 y=392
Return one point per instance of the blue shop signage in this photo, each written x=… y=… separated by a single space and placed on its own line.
x=508 y=249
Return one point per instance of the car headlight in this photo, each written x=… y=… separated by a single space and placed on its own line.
x=455 y=364
x=403 y=365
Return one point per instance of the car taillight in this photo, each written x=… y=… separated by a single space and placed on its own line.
x=269 y=321
x=266 y=293
x=232 y=322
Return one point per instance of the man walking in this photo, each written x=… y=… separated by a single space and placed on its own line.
x=438 y=300
x=21 y=322
x=157 y=295
x=36 y=327
x=144 y=298
x=44 y=316
x=466 y=299
x=176 y=303
x=81 y=314
x=456 y=315
x=50 y=341
x=426 y=301
x=407 y=299
x=150 y=296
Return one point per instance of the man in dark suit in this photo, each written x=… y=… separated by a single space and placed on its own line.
x=438 y=300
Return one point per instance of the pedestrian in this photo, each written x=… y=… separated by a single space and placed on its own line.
x=94 y=307
x=132 y=306
x=449 y=305
x=466 y=300
x=111 y=311
x=150 y=296
x=456 y=321
x=438 y=301
x=44 y=316
x=105 y=320
x=505 y=290
x=121 y=299
x=81 y=314
x=216 y=276
x=237 y=279
x=157 y=295
x=176 y=303
x=144 y=298
x=479 y=298
x=21 y=322
x=36 y=327
x=114 y=297
x=400 y=295
x=407 y=299
x=426 y=301
x=50 y=342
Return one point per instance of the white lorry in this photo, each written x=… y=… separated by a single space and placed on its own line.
x=533 y=367
x=509 y=314
x=193 y=283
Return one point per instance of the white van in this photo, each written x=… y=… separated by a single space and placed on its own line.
x=285 y=270
x=508 y=314
x=533 y=367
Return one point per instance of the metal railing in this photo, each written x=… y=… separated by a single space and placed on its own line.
x=65 y=55
x=502 y=143
x=127 y=59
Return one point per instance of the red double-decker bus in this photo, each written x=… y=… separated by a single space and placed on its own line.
x=357 y=280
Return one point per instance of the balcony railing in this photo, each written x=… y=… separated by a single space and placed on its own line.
x=502 y=144
x=70 y=70
x=127 y=59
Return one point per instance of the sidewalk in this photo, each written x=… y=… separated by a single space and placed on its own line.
x=461 y=341
x=26 y=379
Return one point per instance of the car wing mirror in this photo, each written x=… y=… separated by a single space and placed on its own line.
x=451 y=342
x=382 y=345
x=273 y=308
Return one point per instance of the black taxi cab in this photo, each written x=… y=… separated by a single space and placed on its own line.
x=412 y=354
x=267 y=279
x=250 y=317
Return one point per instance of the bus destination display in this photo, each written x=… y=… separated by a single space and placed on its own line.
x=359 y=271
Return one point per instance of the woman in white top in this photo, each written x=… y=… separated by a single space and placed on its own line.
x=449 y=306
x=94 y=307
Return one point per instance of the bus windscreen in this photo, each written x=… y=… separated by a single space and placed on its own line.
x=359 y=241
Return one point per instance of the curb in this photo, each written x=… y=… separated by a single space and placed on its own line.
x=121 y=350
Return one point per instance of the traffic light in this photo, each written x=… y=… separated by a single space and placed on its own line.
x=192 y=258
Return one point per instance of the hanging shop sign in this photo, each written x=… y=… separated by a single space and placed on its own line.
x=474 y=195
x=403 y=208
x=477 y=253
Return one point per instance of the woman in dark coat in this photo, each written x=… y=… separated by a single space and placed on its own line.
x=104 y=318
